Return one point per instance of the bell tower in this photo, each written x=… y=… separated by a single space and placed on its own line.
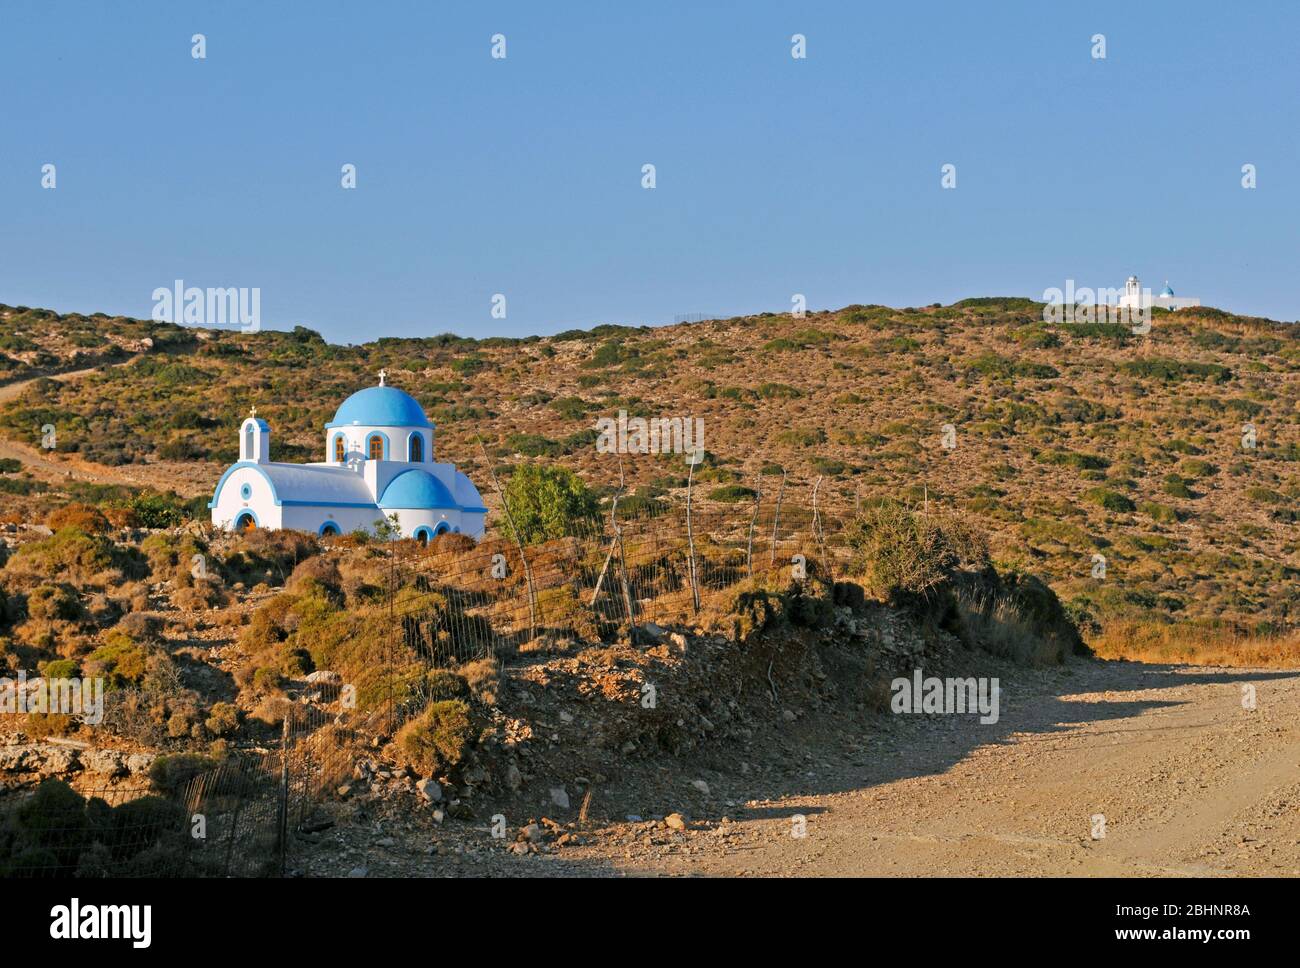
x=254 y=439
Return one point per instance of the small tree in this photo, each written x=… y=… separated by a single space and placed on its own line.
x=547 y=502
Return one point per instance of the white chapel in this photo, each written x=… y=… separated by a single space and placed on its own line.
x=378 y=465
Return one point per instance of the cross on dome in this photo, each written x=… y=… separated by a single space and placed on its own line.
x=252 y=411
x=382 y=375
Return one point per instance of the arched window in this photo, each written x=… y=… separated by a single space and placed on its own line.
x=376 y=447
x=328 y=529
x=442 y=528
x=248 y=443
x=245 y=522
x=340 y=451
x=422 y=535
x=416 y=449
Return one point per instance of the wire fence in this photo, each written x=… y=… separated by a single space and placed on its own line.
x=623 y=575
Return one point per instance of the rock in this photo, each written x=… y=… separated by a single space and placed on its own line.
x=358 y=872
x=139 y=762
x=430 y=790
x=678 y=640
x=532 y=833
x=514 y=779
x=674 y=821
x=788 y=716
x=701 y=786
x=654 y=631
x=111 y=763
x=438 y=816
x=560 y=797
x=62 y=760
x=324 y=677
x=566 y=717
x=633 y=818
x=344 y=790
x=628 y=747
x=18 y=759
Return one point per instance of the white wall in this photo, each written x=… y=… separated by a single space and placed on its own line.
x=261 y=502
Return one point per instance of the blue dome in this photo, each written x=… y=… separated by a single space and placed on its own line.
x=1166 y=291
x=414 y=489
x=380 y=407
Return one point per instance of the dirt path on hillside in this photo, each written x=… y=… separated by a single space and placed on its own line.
x=1189 y=782
x=55 y=467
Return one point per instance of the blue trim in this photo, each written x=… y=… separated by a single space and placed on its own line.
x=413 y=436
x=329 y=527
x=442 y=528
x=422 y=530
x=353 y=425
x=249 y=512
x=216 y=494
x=246 y=491
x=371 y=436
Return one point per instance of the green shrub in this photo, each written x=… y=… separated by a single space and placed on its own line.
x=548 y=502
x=436 y=740
x=171 y=772
x=1158 y=512
x=733 y=493
x=898 y=551
x=54 y=602
x=1108 y=499
x=223 y=719
x=121 y=660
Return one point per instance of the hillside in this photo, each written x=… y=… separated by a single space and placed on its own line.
x=1071 y=441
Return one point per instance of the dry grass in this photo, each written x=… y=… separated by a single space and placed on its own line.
x=1194 y=645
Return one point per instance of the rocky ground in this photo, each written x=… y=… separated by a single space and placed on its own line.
x=1188 y=780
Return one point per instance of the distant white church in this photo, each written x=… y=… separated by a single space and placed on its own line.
x=378 y=463
x=1135 y=298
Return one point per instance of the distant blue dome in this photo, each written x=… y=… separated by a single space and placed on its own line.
x=380 y=407
x=416 y=489
x=1166 y=291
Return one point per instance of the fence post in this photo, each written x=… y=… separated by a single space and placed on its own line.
x=234 y=820
x=776 y=518
x=510 y=519
x=613 y=542
x=282 y=812
x=753 y=519
x=818 y=534
x=693 y=458
x=627 y=592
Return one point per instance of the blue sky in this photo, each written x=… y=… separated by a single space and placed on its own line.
x=523 y=176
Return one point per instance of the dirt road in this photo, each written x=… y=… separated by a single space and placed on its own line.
x=1187 y=780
